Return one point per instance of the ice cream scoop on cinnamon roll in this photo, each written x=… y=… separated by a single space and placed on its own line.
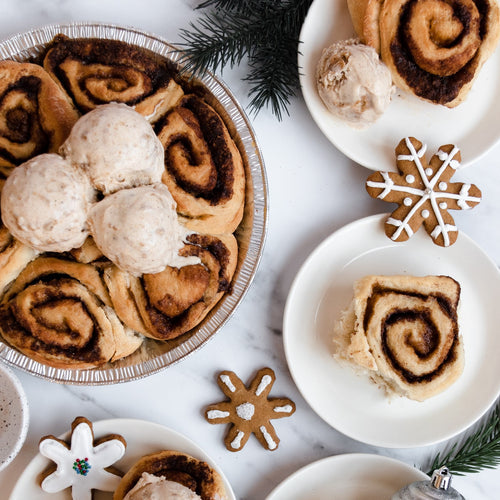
x=403 y=331
x=171 y=474
x=36 y=116
x=94 y=71
x=434 y=48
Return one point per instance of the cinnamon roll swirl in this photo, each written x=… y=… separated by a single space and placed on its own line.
x=94 y=72
x=167 y=304
x=203 y=167
x=36 y=116
x=434 y=48
x=202 y=480
x=404 y=331
x=58 y=312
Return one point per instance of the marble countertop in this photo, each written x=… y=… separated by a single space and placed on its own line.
x=313 y=191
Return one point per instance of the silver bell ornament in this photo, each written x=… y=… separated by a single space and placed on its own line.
x=438 y=488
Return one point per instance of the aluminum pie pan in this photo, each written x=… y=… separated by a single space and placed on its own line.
x=155 y=356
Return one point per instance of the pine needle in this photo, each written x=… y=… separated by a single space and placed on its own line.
x=265 y=32
x=478 y=451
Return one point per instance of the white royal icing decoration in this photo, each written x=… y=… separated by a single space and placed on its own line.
x=269 y=439
x=212 y=414
x=283 y=409
x=428 y=172
x=245 y=411
x=443 y=205
x=425 y=214
x=227 y=382
x=236 y=442
x=407 y=202
x=81 y=448
x=266 y=380
x=443 y=186
x=410 y=179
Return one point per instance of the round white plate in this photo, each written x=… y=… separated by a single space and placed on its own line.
x=471 y=125
x=355 y=476
x=142 y=438
x=14 y=416
x=352 y=403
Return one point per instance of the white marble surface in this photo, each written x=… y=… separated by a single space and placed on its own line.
x=314 y=190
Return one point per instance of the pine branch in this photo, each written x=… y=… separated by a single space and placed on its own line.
x=266 y=32
x=480 y=450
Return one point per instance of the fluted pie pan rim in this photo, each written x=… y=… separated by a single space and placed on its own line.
x=251 y=234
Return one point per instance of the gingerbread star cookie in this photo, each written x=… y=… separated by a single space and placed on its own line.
x=249 y=410
x=423 y=192
x=84 y=464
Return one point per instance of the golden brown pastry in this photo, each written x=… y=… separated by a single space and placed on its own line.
x=203 y=167
x=434 y=48
x=58 y=312
x=196 y=475
x=35 y=115
x=403 y=330
x=94 y=71
x=167 y=304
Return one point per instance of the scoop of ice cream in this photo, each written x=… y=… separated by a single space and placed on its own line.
x=138 y=229
x=45 y=203
x=353 y=83
x=117 y=147
x=150 y=487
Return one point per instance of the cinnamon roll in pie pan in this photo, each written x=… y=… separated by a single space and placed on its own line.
x=76 y=316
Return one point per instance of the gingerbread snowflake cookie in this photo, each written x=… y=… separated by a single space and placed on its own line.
x=423 y=192
x=84 y=464
x=249 y=410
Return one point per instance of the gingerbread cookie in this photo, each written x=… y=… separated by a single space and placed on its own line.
x=249 y=410
x=84 y=464
x=423 y=192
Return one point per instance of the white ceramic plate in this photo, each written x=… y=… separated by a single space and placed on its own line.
x=355 y=476
x=142 y=438
x=14 y=416
x=350 y=402
x=471 y=125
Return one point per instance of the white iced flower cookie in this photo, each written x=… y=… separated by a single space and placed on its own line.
x=249 y=410
x=84 y=464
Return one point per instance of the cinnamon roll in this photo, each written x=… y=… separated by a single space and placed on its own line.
x=36 y=116
x=167 y=304
x=59 y=313
x=195 y=478
x=95 y=71
x=434 y=48
x=203 y=167
x=403 y=331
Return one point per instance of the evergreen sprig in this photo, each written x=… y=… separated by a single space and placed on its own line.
x=266 y=32
x=480 y=450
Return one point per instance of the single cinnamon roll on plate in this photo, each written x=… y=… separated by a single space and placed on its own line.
x=403 y=330
x=171 y=472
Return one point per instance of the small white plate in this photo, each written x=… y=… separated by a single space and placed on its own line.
x=142 y=438
x=352 y=403
x=14 y=416
x=355 y=476
x=471 y=126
